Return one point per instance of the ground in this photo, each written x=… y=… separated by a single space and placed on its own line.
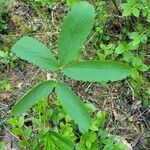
x=126 y=117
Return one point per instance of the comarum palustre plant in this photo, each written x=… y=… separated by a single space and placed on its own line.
x=75 y=30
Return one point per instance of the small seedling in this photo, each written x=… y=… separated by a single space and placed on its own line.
x=76 y=27
x=5 y=85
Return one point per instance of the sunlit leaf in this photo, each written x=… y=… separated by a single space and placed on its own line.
x=97 y=71
x=74 y=107
x=76 y=27
x=33 y=97
x=35 y=52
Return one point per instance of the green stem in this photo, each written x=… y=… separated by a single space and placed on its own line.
x=24 y=137
x=145 y=31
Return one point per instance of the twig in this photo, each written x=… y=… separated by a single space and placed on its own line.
x=115 y=4
x=131 y=90
x=3 y=104
x=11 y=133
x=91 y=38
x=52 y=13
x=88 y=87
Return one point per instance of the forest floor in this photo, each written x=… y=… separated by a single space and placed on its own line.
x=126 y=117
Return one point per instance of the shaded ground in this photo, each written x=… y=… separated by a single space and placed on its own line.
x=126 y=117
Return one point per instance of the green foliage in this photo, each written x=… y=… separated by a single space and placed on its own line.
x=2 y=144
x=39 y=54
x=109 y=142
x=122 y=37
x=75 y=29
x=77 y=26
x=6 y=58
x=3 y=24
x=61 y=142
x=71 y=2
x=32 y=97
x=5 y=85
x=49 y=127
x=51 y=3
x=123 y=34
x=88 y=142
x=97 y=71
x=139 y=38
x=99 y=141
x=137 y=7
x=70 y=100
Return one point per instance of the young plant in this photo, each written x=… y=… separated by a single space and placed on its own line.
x=75 y=30
x=5 y=85
x=136 y=8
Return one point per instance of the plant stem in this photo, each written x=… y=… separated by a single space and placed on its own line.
x=24 y=137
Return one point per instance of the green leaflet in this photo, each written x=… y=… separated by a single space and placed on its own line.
x=74 y=107
x=61 y=142
x=48 y=143
x=35 y=52
x=32 y=97
x=76 y=27
x=97 y=71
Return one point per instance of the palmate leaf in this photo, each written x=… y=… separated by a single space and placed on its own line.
x=96 y=71
x=32 y=97
x=76 y=27
x=74 y=107
x=35 y=52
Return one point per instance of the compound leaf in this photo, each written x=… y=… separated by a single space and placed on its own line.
x=32 y=97
x=35 y=52
x=76 y=27
x=97 y=71
x=74 y=107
